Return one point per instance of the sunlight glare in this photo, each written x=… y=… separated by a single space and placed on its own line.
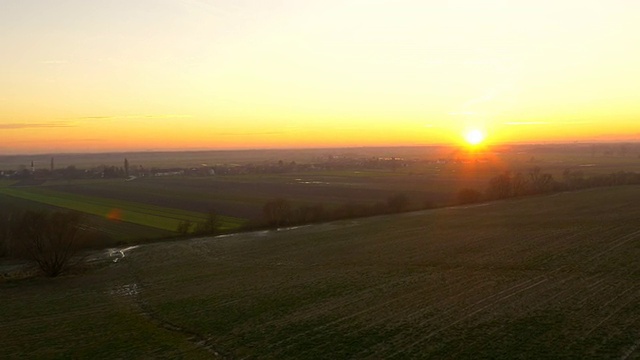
x=474 y=137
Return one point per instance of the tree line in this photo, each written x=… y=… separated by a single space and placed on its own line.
x=535 y=182
x=209 y=226
x=282 y=212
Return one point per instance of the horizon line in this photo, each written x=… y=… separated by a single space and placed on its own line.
x=184 y=150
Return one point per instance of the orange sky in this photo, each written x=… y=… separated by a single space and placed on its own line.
x=211 y=74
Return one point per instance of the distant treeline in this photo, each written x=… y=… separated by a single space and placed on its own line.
x=282 y=212
x=71 y=172
x=535 y=182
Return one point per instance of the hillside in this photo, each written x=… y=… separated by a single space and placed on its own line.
x=541 y=277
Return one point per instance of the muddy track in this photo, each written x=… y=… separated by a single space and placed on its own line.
x=193 y=337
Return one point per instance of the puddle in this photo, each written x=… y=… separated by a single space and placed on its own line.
x=119 y=253
x=126 y=290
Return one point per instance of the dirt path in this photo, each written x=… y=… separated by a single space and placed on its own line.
x=133 y=292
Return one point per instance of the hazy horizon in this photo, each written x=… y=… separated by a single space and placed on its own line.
x=318 y=148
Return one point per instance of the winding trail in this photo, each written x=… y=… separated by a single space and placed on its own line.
x=152 y=316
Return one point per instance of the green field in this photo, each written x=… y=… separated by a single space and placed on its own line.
x=125 y=211
x=542 y=277
x=116 y=231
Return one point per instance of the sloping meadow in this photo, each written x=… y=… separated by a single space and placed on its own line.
x=543 y=277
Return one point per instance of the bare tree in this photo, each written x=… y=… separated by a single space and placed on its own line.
x=519 y=185
x=184 y=227
x=468 y=196
x=398 y=203
x=5 y=219
x=573 y=179
x=500 y=186
x=540 y=182
x=51 y=240
x=277 y=212
x=210 y=225
x=310 y=213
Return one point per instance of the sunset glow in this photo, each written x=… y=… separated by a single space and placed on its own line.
x=474 y=137
x=212 y=74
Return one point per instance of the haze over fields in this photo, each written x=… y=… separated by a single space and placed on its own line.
x=82 y=76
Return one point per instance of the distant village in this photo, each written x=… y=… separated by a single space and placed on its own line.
x=40 y=171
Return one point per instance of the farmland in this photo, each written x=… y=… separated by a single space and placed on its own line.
x=160 y=203
x=115 y=231
x=243 y=196
x=331 y=178
x=126 y=211
x=541 y=277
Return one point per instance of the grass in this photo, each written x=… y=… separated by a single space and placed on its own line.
x=542 y=277
x=5 y=183
x=52 y=334
x=131 y=212
x=116 y=231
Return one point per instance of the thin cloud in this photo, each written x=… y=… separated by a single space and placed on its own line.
x=57 y=141
x=462 y=113
x=205 y=6
x=54 y=62
x=489 y=96
x=153 y=116
x=492 y=94
x=18 y=126
x=251 y=133
x=97 y=117
x=517 y=123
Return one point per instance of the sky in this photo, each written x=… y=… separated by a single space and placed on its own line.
x=124 y=75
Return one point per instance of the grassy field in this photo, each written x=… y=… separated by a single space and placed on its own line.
x=151 y=216
x=542 y=277
x=116 y=231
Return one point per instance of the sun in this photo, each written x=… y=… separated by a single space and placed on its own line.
x=474 y=137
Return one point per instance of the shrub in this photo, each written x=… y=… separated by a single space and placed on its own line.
x=51 y=240
x=468 y=196
x=277 y=212
x=4 y=234
x=398 y=203
x=184 y=227
x=209 y=226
